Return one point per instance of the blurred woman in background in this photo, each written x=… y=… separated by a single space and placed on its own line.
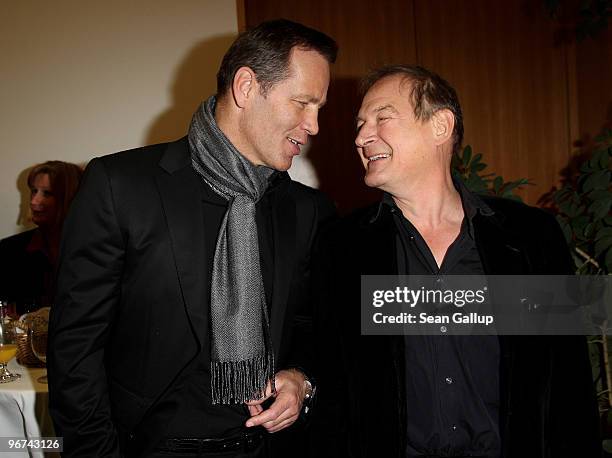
x=28 y=260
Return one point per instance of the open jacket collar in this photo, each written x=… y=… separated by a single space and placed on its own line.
x=178 y=183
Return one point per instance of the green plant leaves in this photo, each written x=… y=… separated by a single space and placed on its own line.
x=512 y=185
x=467 y=156
x=603 y=158
x=579 y=224
x=565 y=228
x=604 y=232
x=584 y=203
x=608 y=260
x=468 y=167
x=597 y=180
x=600 y=194
x=571 y=208
x=600 y=208
x=603 y=242
x=602 y=245
x=497 y=184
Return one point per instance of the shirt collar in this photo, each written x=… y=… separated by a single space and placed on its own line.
x=472 y=203
x=277 y=179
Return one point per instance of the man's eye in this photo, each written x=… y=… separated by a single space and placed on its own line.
x=301 y=103
x=382 y=118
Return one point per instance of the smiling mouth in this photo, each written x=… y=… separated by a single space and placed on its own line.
x=378 y=157
x=295 y=142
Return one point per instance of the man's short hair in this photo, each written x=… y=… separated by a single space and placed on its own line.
x=429 y=93
x=266 y=49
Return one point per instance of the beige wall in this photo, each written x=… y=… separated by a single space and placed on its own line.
x=84 y=78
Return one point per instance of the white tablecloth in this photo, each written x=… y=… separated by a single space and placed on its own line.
x=24 y=409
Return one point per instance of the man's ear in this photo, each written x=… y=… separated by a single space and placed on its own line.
x=244 y=86
x=443 y=123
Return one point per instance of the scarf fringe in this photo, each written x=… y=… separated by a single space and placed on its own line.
x=235 y=382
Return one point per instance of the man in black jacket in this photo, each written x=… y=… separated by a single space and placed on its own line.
x=180 y=326
x=440 y=396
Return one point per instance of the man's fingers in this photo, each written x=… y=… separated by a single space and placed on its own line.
x=255 y=409
x=267 y=394
x=267 y=415
x=284 y=419
x=256 y=402
x=281 y=412
x=282 y=425
x=286 y=407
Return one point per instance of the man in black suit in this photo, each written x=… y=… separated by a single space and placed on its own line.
x=181 y=321
x=440 y=396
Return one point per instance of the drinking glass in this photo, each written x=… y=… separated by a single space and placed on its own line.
x=8 y=344
x=38 y=342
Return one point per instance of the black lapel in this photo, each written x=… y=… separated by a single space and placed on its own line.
x=181 y=195
x=507 y=354
x=501 y=253
x=284 y=227
x=376 y=254
x=377 y=244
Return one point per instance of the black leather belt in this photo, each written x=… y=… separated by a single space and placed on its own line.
x=247 y=442
x=452 y=456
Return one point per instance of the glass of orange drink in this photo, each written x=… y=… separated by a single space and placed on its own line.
x=8 y=345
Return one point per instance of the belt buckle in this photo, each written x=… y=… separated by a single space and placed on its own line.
x=171 y=444
x=174 y=444
x=231 y=444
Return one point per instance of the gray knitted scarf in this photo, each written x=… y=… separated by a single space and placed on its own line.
x=242 y=360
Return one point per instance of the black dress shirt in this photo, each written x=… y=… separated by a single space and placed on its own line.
x=189 y=401
x=452 y=382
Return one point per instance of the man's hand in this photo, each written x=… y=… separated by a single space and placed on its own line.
x=286 y=408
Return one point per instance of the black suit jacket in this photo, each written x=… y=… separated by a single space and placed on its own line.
x=130 y=312
x=547 y=402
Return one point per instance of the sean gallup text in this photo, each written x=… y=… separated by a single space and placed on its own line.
x=425 y=318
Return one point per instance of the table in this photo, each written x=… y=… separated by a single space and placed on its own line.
x=24 y=409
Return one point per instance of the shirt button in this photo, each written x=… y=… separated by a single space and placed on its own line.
x=454 y=427
x=448 y=380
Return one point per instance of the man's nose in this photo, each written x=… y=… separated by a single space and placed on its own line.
x=311 y=122
x=365 y=136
